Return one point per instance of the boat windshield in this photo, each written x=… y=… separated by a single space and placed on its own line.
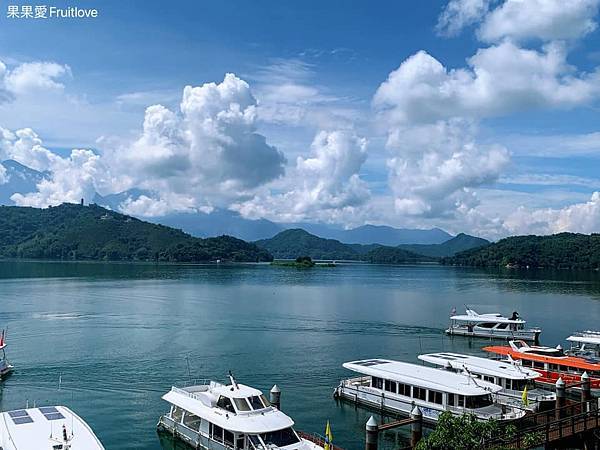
x=478 y=401
x=258 y=402
x=280 y=438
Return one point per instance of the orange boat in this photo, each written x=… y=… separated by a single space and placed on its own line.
x=551 y=363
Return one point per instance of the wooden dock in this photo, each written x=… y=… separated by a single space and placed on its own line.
x=576 y=420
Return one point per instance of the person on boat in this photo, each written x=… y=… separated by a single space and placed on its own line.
x=515 y=315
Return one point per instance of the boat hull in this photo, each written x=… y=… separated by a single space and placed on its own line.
x=396 y=405
x=494 y=334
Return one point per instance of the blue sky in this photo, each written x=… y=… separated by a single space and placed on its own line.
x=488 y=122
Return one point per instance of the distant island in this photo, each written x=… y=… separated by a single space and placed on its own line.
x=558 y=251
x=77 y=232
x=302 y=262
x=290 y=243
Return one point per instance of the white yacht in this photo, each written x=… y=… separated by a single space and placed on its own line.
x=491 y=325
x=516 y=381
x=398 y=387
x=5 y=367
x=215 y=416
x=586 y=345
x=46 y=428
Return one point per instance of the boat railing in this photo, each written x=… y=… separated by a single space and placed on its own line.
x=198 y=383
x=316 y=438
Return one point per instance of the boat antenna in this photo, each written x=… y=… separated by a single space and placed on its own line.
x=233 y=382
x=187 y=360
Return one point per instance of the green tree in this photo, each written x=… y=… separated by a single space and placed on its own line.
x=464 y=432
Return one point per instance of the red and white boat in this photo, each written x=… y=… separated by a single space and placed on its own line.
x=551 y=363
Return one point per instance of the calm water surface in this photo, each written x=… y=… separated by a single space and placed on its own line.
x=119 y=336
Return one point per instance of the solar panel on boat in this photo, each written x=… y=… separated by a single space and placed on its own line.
x=47 y=409
x=18 y=413
x=51 y=413
x=20 y=416
x=370 y=362
x=22 y=420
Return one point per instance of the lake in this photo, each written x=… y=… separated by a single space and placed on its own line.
x=118 y=336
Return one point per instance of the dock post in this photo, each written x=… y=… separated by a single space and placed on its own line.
x=561 y=398
x=275 y=397
x=416 y=428
x=586 y=388
x=371 y=436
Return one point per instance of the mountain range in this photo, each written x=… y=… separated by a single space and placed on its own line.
x=225 y=222
x=290 y=244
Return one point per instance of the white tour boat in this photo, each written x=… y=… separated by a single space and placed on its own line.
x=398 y=387
x=215 y=416
x=46 y=428
x=586 y=345
x=516 y=381
x=492 y=325
x=5 y=367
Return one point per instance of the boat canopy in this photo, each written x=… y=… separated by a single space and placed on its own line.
x=586 y=337
x=204 y=405
x=422 y=376
x=483 y=366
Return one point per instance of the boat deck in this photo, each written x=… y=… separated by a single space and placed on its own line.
x=45 y=428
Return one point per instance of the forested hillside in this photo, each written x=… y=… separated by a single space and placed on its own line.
x=564 y=250
x=91 y=232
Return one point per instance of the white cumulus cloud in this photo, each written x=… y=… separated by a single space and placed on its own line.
x=578 y=217
x=71 y=179
x=28 y=78
x=323 y=186
x=498 y=80
x=546 y=20
x=433 y=167
x=209 y=150
x=459 y=14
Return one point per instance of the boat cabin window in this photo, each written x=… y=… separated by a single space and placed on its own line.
x=451 y=399
x=256 y=402
x=266 y=402
x=241 y=404
x=216 y=432
x=404 y=389
x=420 y=393
x=435 y=397
x=390 y=386
x=177 y=414
x=377 y=382
x=461 y=401
x=489 y=379
x=538 y=365
x=192 y=421
x=226 y=404
x=486 y=325
x=478 y=401
x=518 y=385
x=280 y=438
x=228 y=437
x=502 y=326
